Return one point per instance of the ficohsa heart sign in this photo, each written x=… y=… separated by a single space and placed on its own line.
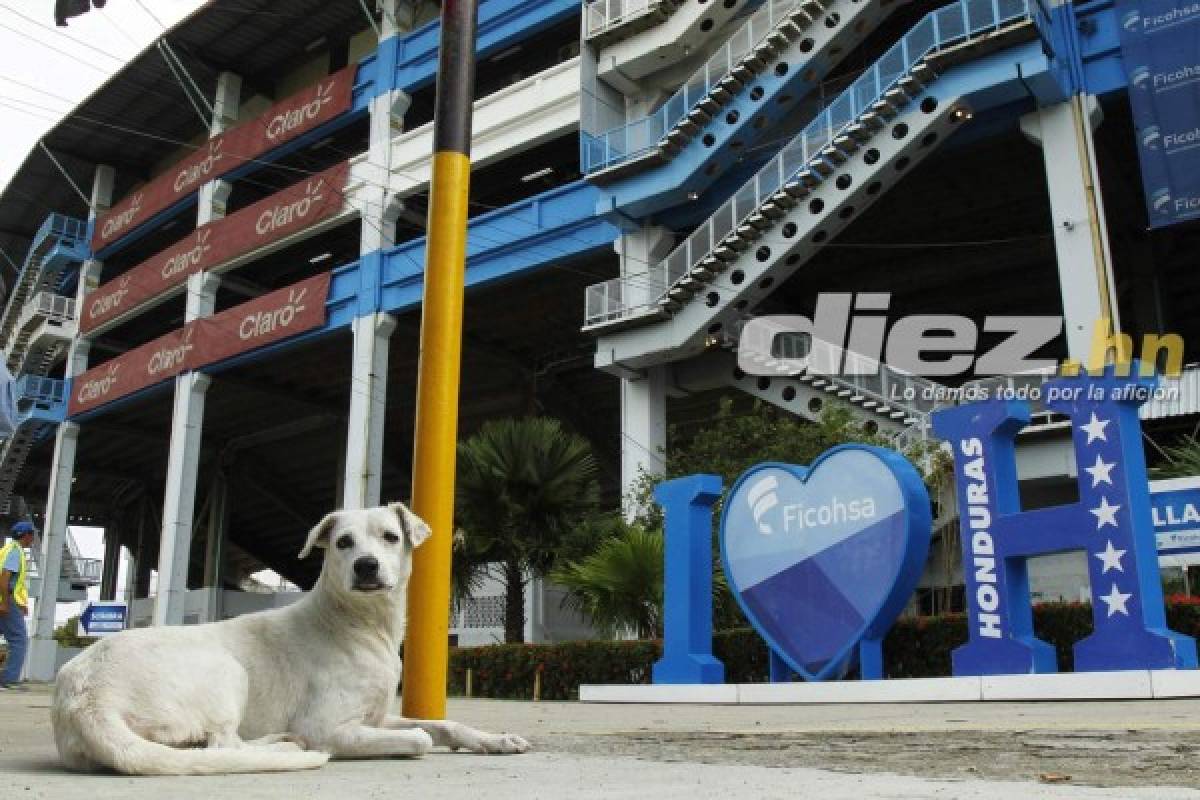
x=824 y=557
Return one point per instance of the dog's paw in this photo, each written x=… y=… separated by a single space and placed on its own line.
x=502 y=744
x=422 y=742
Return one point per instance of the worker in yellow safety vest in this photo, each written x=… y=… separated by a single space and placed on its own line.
x=14 y=601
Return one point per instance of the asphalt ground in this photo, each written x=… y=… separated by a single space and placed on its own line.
x=1134 y=749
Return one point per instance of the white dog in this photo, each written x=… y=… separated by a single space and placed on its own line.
x=249 y=694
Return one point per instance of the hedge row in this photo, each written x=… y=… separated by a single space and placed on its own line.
x=915 y=648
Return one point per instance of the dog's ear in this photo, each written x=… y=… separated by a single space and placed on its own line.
x=416 y=528
x=319 y=536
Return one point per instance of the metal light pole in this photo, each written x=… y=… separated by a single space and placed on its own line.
x=426 y=651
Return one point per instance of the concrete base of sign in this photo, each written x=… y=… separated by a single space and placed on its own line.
x=1131 y=685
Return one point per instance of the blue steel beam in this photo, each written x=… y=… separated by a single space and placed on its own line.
x=1086 y=40
x=556 y=226
x=748 y=123
x=1099 y=46
x=408 y=63
x=413 y=58
x=541 y=232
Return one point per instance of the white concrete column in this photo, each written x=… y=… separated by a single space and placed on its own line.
x=183 y=464
x=213 y=198
x=42 y=647
x=227 y=103
x=643 y=397
x=214 y=546
x=103 y=184
x=398 y=17
x=187 y=422
x=362 y=469
x=1081 y=242
x=643 y=432
x=368 y=409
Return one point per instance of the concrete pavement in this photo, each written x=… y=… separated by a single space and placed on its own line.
x=1117 y=750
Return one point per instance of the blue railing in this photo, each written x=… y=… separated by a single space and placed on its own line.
x=58 y=230
x=34 y=390
x=643 y=135
x=67 y=230
x=603 y=15
x=635 y=295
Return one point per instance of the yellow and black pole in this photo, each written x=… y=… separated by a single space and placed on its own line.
x=426 y=651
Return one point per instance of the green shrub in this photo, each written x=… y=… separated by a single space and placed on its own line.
x=507 y=670
x=915 y=648
x=67 y=635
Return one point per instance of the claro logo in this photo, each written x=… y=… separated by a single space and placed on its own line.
x=287 y=121
x=186 y=260
x=199 y=173
x=98 y=388
x=123 y=220
x=112 y=300
x=168 y=358
x=281 y=215
x=262 y=323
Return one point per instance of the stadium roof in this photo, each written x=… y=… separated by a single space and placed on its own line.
x=138 y=117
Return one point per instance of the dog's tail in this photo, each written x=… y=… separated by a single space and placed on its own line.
x=110 y=742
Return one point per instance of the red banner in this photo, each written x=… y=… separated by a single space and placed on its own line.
x=135 y=370
x=268 y=319
x=262 y=321
x=212 y=245
x=281 y=123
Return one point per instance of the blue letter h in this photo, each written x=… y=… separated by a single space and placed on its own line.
x=1111 y=523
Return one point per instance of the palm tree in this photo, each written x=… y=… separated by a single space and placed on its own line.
x=1182 y=459
x=523 y=484
x=620 y=586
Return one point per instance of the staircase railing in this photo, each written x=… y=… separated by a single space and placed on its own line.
x=637 y=295
x=643 y=135
x=78 y=570
x=603 y=15
x=76 y=567
x=889 y=386
x=45 y=306
x=58 y=229
x=35 y=393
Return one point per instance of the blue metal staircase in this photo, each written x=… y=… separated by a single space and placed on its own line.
x=894 y=115
x=778 y=55
x=605 y=20
x=43 y=404
x=36 y=329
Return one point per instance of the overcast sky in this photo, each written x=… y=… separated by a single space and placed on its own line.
x=45 y=70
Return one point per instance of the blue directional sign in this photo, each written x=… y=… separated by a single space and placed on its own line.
x=1175 y=507
x=823 y=559
x=103 y=619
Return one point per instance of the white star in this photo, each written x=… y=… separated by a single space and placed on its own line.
x=1115 y=601
x=1105 y=514
x=1095 y=429
x=1111 y=558
x=1101 y=472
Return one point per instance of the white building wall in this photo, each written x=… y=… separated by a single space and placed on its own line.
x=479 y=620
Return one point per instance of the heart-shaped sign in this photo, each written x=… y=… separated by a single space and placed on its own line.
x=825 y=557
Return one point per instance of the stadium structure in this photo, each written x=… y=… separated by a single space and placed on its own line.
x=215 y=321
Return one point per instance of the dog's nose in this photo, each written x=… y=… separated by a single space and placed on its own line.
x=366 y=567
